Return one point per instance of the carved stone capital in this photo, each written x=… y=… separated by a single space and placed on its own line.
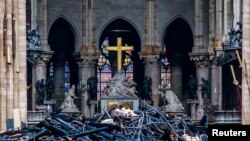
x=151 y=59
x=39 y=57
x=200 y=59
x=150 y=50
x=213 y=60
x=86 y=61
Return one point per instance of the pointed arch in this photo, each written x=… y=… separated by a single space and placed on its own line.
x=174 y=18
x=72 y=27
x=124 y=28
x=115 y=19
x=177 y=43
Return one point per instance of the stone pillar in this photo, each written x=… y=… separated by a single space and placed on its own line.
x=150 y=23
x=202 y=63
x=246 y=63
x=199 y=37
x=150 y=51
x=219 y=21
x=211 y=25
x=89 y=22
x=220 y=88
x=88 y=54
x=33 y=13
x=152 y=69
x=87 y=68
x=41 y=21
x=214 y=84
x=224 y=17
x=13 y=60
x=39 y=68
x=22 y=58
x=229 y=15
x=236 y=12
x=3 y=95
x=59 y=81
x=9 y=66
x=176 y=81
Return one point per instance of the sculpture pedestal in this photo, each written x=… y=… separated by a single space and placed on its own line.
x=131 y=103
x=227 y=117
x=193 y=104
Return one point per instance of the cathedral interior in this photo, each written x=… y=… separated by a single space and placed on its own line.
x=198 y=50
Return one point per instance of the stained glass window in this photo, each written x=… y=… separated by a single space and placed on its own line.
x=128 y=67
x=104 y=72
x=66 y=77
x=165 y=72
x=104 y=75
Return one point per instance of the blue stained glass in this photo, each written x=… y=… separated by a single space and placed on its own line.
x=106 y=68
x=66 y=77
x=130 y=68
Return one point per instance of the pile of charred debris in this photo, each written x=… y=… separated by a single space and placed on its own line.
x=149 y=124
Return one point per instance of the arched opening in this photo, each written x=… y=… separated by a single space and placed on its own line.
x=62 y=67
x=178 y=42
x=121 y=28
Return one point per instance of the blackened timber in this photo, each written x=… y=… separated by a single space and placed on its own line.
x=110 y=126
x=56 y=130
x=39 y=134
x=89 y=132
x=67 y=124
x=105 y=134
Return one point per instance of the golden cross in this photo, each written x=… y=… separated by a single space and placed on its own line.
x=119 y=48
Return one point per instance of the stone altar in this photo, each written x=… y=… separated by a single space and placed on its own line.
x=121 y=90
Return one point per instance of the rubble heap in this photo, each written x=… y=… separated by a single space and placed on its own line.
x=147 y=124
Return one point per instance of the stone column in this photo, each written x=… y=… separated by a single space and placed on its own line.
x=214 y=84
x=3 y=95
x=229 y=15
x=176 y=81
x=87 y=68
x=236 y=12
x=41 y=21
x=224 y=19
x=89 y=53
x=22 y=58
x=39 y=68
x=150 y=51
x=12 y=47
x=211 y=25
x=150 y=23
x=220 y=88
x=152 y=69
x=9 y=66
x=199 y=37
x=246 y=63
x=33 y=13
x=202 y=63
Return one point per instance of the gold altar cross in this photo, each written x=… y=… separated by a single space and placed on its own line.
x=119 y=48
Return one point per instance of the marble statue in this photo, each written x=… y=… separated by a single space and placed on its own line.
x=192 y=86
x=174 y=104
x=147 y=88
x=92 y=89
x=120 y=86
x=40 y=92
x=204 y=88
x=50 y=88
x=68 y=105
x=33 y=38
